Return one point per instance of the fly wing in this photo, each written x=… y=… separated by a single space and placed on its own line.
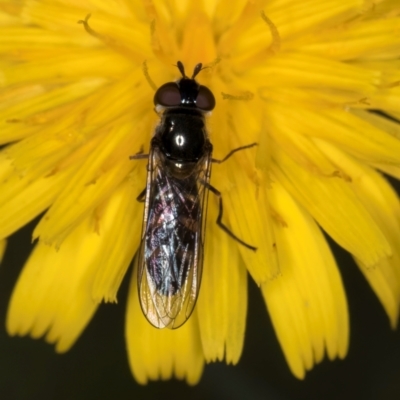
x=171 y=252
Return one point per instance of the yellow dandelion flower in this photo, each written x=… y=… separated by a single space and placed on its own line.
x=298 y=78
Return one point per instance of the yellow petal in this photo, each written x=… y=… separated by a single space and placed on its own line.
x=335 y=206
x=161 y=353
x=358 y=39
x=383 y=123
x=388 y=169
x=382 y=203
x=102 y=171
x=132 y=38
x=119 y=224
x=68 y=67
x=53 y=293
x=198 y=41
x=243 y=187
x=395 y=114
x=307 y=302
x=295 y=19
x=17 y=36
x=30 y=201
x=222 y=303
x=3 y=245
x=306 y=70
x=347 y=131
x=26 y=110
x=127 y=99
x=300 y=148
x=387 y=99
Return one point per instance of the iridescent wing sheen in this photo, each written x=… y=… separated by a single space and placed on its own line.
x=171 y=251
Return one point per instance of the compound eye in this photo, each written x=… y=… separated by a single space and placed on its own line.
x=168 y=95
x=205 y=99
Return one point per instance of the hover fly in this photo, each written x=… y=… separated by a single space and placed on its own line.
x=170 y=259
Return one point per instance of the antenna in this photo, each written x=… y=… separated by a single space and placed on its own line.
x=181 y=68
x=196 y=69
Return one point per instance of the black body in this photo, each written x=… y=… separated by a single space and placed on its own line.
x=171 y=252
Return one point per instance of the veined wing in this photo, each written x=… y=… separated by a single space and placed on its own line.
x=171 y=251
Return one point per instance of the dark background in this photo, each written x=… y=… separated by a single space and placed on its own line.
x=29 y=369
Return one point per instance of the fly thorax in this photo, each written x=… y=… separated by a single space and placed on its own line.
x=183 y=136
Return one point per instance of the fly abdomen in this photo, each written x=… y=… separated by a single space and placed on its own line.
x=171 y=246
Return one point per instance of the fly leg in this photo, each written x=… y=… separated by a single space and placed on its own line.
x=220 y=213
x=219 y=195
x=142 y=196
x=140 y=156
x=248 y=146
